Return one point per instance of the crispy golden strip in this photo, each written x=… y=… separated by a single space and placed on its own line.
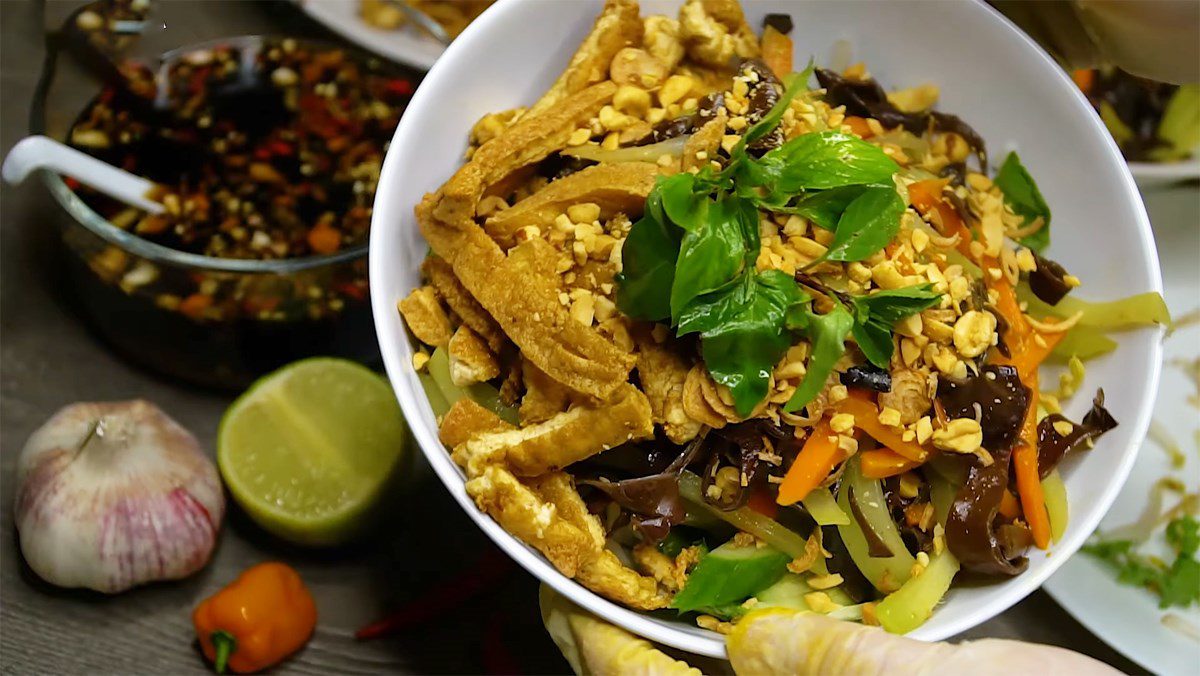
x=558 y=489
x=607 y=576
x=425 y=317
x=441 y=276
x=544 y=397
x=566 y=438
x=525 y=304
x=470 y=359
x=466 y=419
x=617 y=27
x=616 y=188
x=663 y=372
x=535 y=522
x=702 y=146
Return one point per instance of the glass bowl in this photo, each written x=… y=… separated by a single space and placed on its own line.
x=214 y=322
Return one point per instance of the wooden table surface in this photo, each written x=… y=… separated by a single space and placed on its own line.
x=49 y=358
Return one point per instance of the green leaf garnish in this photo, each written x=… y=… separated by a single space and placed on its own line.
x=692 y=256
x=743 y=332
x=1021 y=194
x=827 y=333
x=1176 y=585
x=867 y=225
x=877 y=313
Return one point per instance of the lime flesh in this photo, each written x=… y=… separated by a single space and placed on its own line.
x=308 y=449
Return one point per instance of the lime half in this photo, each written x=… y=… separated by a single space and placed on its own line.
x=308 y=449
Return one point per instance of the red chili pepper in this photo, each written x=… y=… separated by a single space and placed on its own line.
x=351 y=290
x=107 y=95
x=262 y=154
x=280 y=148
x=71 y=183
x=492 y=567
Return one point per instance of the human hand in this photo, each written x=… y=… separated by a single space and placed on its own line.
x=780 y=641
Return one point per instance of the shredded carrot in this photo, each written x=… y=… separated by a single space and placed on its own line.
x=815 y=461
x=926 y=196
x=1029 y=486
x=761 y=502
x=859 y=126
x=882 y=463
x=1085 y=79
x=866 y=418
x=777 y=52
x=195 y=305
x=1009 y=507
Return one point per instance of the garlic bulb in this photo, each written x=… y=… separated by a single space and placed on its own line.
x=113 y=495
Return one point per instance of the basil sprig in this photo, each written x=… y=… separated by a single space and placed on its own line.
x=690 y=259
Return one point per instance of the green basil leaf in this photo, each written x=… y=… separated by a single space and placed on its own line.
x=648 y=264
x=824 y=207
x=875 y=341
x=891 y=305
x=868 y=224
x=827 y=334
x=828 y=159
x=1023 y=197
x=684 y=200
x=743 y=332
x=711 y=255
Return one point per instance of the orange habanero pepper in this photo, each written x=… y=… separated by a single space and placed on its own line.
x=257 y=620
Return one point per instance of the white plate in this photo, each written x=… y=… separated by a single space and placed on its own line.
x=1158 y=174
x=407 y=44
x=1128 y=618
x=990 y=73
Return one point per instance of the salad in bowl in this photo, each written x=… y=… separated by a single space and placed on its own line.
x=713 y=332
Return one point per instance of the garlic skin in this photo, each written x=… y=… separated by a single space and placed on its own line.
x=113 y=495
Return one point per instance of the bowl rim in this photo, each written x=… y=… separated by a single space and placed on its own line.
x=636 y=621
x=87 y=217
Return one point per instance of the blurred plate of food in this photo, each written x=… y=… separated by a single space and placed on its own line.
x=1155 y=124
x=384 y=27
x=1139 y=605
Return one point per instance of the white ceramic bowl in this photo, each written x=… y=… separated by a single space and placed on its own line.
x=990 y=74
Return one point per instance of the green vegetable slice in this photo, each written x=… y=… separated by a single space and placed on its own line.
x=1143 y=309
x=1022 y=195
x=887 y=572
x=912 y=604
x=1180 y=124
x=744 y=519
x=824 y=508
x=730 y=574
x=1055 y=493
x=483 y=394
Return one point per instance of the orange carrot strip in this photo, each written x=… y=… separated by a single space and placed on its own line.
x=926 y=196
x=859 y=126
x=882 y=463
x=777 y=52
x=1009 y=507
x=814 y=462
x=1029 y=486
x=1085 y=79
x=866 y=418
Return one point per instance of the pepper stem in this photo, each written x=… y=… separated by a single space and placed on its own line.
x=224 y=643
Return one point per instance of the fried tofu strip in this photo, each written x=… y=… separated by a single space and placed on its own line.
x=466 y=419
x=544 y=397
x=564 y=439
x=461 y=302
x=663 y=372
x=617 y=27
x=425 y=317
x=548 y=514
x=703 y=145
x=715 y=32
x=532 y=520
x=525 y=304
x=616 y=188
x=470 y=359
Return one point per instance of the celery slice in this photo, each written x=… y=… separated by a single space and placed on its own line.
x=437 y=400
x=745 y=519
x=1180 y=124
x=887 y=571
x=1142 y=309
x=824 y=509
x=482 y=393
x=1085 y=342
x=1055 y=493
x=913 y=603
